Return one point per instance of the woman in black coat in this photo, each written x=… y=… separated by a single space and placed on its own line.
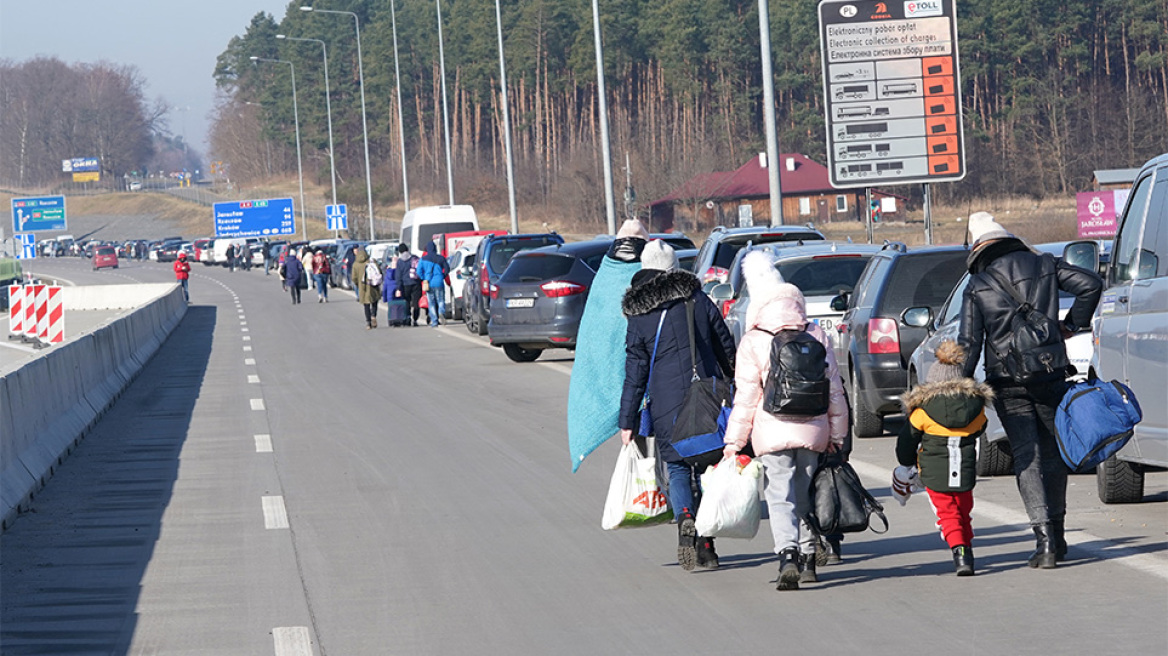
x=661 y=289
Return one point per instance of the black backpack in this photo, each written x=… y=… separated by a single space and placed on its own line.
x=1036 y=350
x=797 y=383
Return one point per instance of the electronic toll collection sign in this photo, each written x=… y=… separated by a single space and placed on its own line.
x=893 y=92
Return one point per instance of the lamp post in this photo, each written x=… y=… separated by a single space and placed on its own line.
x=609 y=203
x=445 y=112
x=401 y=128
x=768 y=112
x=296 y=122
x=328 y=109
x=364 y=121
x=506 y=122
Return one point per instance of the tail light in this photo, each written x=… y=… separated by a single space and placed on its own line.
x=726 y=305
x=558 y=288
x=485 y=280
x=715 y=273
x=494 y=292
x=883 y=336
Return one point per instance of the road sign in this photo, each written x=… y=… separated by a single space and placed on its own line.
x=337 y=216
x=892 y=92
x=27 y=243
x=88 y=176
x=255 y=218
x=38 y=214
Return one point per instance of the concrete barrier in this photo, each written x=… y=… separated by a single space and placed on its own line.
x=48 y=404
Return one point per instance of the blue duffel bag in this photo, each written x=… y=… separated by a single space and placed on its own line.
x=1094 y=420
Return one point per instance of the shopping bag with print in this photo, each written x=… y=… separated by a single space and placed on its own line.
x=634 y=496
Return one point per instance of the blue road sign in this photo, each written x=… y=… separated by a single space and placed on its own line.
x=38 y=214
x=27 y=246
x=337 y=216
x=255 y=218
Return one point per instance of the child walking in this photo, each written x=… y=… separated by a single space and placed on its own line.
x=946 y=416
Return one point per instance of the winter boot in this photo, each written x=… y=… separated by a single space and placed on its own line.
x=831 y=555
x=963 y=560
x=807 y=569
x=788 y=569
x=707 y=557
x=374 y=320
x=1058 y=537
x=687 y=537
x=1044 y=550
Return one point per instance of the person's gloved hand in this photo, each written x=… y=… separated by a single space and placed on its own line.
x=904 y=482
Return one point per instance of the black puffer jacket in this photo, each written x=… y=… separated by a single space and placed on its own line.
x=651 y=294
x=1038 y=278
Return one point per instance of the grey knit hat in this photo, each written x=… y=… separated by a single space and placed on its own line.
x=659 y=255
x=950 y=363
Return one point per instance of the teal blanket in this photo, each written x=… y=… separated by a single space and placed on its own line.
x=598 y=374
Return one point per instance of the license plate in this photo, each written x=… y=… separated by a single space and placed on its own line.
x=520 y=302
x=825 y=324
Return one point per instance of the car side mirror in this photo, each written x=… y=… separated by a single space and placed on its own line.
x=918 y=317
x=722 y=292
x=708 y=288
x=1083 y=254
x=840 y=303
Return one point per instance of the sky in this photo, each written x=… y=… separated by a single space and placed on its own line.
x=173 y=44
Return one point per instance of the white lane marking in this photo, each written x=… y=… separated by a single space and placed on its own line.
x=292 y=641
x=244 y=330
x=247 y=338
x=257 y=404
x=249 y=360
x=452 y=332
x=253 y=379
x=275 y=516
x=243 y=323
x=246 y=348
x=263 y=443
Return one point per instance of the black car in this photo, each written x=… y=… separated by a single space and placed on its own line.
x=491 y=258
x=875 y=344
x=341 y=264
x=538 y=301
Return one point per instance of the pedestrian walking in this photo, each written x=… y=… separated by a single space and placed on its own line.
x=367 y=282
x=182 y=273
x=230 y=255
x=321 y=269
x=1002 y=266
x=293 y=274
x=657 y=359
x=305 y=256
x=267 y=253
x=945 y=417
x=432 y=271
x=789 y=445
x=409 y=286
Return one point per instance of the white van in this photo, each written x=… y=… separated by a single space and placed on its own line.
x=419 y=225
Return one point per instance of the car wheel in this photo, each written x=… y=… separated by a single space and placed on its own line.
x=456 y=310
x=865 y=423
x=994 y=458
x=520 y=354
x=1119 y=481
x=480 y=325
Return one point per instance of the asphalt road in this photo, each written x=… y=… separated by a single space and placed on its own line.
x=417 y=499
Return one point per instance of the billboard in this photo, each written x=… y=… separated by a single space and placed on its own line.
x=1098 y=212
x=255 y=218
x=80 y=165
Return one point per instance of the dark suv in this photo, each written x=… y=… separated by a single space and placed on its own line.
x=491 y=259
x=717 y=254
x=875 y=343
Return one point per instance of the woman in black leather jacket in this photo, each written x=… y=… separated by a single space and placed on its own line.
x=1026 y=411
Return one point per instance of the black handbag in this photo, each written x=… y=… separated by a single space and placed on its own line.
x=700 y=427
x=839 y=502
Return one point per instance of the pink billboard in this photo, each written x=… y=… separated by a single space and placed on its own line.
x=1096 y=212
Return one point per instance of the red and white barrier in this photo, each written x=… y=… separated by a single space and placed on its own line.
x=53 y=330
x=42 y=312
x=15 y=310
x=30 y=315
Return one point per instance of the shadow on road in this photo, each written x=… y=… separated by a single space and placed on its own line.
x=72 y=565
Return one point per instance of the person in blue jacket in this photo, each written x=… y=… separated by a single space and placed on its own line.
x=657 y=298
x=432 y=272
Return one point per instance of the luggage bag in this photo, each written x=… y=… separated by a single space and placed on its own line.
x=398 y=312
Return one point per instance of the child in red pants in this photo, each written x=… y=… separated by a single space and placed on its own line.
x=946 y=416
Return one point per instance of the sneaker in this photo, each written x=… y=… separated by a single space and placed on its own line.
x=687 y=536
x=807 y=569
x=832 y=552
x=788 y=570
x=963 y=560
x=707 y=557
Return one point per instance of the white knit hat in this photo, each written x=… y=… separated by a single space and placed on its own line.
x=659 y=256
x=983 y=227
x=633 y=228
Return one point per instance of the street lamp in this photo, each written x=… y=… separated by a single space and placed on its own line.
x=445 y=112
x=609 y=203
x=401 y=127
x=328 y=107
x=774 y=184
x=506 y=122
x=364 y=123
x=296 y=122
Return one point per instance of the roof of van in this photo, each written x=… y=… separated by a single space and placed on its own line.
x=457 y=210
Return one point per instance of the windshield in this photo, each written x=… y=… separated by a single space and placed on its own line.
x=536 y=267
x=426 y=231
x=825 y=276
x=503 y=250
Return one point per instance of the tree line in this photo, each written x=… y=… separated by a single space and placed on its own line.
x=1052 y=90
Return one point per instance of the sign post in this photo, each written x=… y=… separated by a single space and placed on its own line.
x=255 y=218
x=43 y=214
x=892 y=92
x=337 y=217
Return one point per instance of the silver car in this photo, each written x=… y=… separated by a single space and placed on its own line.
x=821 y=271
x=1131 y=331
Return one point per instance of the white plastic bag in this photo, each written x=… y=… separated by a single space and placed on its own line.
x=634 y=497
x=730 y=506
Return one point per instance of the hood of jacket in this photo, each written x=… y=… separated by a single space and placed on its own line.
x=952 y=403
x=361 y=256
x=979 y=258
x=431 y=252
x=663 y=288
x=774 y=304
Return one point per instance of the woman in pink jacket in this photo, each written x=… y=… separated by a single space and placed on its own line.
x=787 y=445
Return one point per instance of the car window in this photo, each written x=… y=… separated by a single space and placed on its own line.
x=1154 y=246
x=1127 y=241
x=504 y=250
x=953 y=308
x=921 y=280
x=728 y=248
x=593 y=261
x=536 y=268
x=105 y=251
x=825 y=276
x=426 y=231
x=869 y=282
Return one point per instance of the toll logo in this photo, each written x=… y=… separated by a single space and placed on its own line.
x=922 y=8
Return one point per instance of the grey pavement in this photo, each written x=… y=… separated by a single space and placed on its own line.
x=430 y=509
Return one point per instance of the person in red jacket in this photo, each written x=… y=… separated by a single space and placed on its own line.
x=182 y=272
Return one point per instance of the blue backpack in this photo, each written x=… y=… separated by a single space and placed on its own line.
x=1094 y=420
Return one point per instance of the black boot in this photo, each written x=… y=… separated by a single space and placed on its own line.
x=1044 y=549
x=963 y=560
x=832 y=554
x=807 y=569
x=687 y=536
x=1058 y=537
x=707 y=557
x=788 y=569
